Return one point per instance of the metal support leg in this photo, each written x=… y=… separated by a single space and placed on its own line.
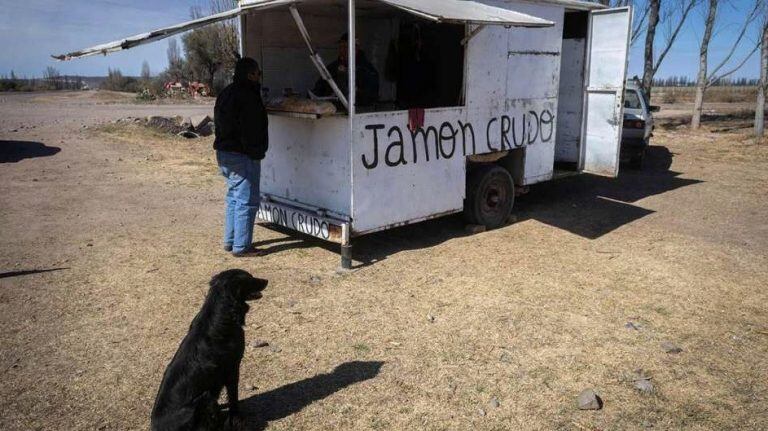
x=346 y=247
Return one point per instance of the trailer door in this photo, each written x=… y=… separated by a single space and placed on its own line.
x=606 y=71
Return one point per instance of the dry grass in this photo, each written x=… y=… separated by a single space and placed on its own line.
x=529 y=314
x=712 y=95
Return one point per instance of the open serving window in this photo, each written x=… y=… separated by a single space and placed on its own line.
x=410 y=54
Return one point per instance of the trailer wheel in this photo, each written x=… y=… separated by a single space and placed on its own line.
x=490 y=196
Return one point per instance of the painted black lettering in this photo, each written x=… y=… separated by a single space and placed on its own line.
x=279 y=217
x=547 y=120
x=447 y=133
x=532 y=138
x=488 y=134
x=298 y=224
x=396 y=145
x=425 y=135
x=375 y=128
x=505 y=126
x=464 y=128
x=514 y=132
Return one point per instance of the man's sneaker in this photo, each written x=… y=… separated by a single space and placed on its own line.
x=249 y=252
x=228 y=248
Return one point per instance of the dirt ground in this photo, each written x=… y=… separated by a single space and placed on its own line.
x=109 y=234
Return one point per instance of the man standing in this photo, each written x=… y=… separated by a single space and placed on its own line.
x=241 y=143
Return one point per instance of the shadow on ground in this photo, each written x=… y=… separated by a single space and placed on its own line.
x=258 y=410
x=28 y=272
x=592 y=206
x=16 y=151
x=585 y=205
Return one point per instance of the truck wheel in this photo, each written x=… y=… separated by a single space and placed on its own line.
x=490 y=196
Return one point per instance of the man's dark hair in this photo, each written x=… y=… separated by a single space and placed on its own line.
x=244 y=67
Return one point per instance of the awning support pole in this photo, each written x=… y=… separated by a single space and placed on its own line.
x=315 y=57
x=352 y=55
x=472 y=34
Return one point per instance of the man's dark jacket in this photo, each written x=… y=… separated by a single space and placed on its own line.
x=241 y=120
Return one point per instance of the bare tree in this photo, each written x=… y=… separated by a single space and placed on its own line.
x=706 y=79
x=210 y=51
x=641 y=14
x=674 y=15
x=762 y=86
x=650 y=35
x=53 y=78
x=175 y=61
x=146 y=74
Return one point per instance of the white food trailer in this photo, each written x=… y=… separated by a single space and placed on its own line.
x=526 y=91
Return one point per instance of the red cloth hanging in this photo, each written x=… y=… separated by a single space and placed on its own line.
x=415 y=119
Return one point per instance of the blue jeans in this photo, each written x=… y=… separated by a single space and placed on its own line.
x=242 y=174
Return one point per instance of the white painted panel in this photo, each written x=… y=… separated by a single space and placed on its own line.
x=606 y=72
x=533 y=75
x=533 y=55
x=308 y=162
x=399 y=183
x=608 y=48
x=487 y=70
x=602 y=127
x=571 y=101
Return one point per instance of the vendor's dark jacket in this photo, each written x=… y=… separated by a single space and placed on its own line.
x=241 y=120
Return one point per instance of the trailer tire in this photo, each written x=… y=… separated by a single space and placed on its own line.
x=490 y=196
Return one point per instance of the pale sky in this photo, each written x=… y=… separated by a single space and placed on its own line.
x=32 y=30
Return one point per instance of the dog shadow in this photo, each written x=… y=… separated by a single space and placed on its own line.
x=16 y=151
x=258 y=410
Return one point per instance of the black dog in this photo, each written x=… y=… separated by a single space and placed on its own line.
x=208 y=358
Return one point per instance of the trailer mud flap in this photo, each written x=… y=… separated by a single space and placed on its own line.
x=301 y=220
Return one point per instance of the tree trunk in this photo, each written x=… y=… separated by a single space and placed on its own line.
x=650 y=35
x=763 y=86
x=702 y=81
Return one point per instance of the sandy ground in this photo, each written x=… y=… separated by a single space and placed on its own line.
x=108 y=236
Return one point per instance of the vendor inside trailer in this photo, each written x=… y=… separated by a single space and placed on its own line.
x=367 y=77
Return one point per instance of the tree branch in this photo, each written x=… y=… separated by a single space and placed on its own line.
x=639 y=27
x=753 y=14
x=713 y=79
x=688 y=8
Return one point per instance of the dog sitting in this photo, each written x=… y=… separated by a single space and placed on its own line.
x=208 y=358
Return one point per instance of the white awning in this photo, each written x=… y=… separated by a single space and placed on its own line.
x=467 y=11
x=458 y=11
x=162 y=33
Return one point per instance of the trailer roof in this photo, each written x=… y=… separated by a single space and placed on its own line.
x=457 y=11
x=572 y=4
x=467 y=11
